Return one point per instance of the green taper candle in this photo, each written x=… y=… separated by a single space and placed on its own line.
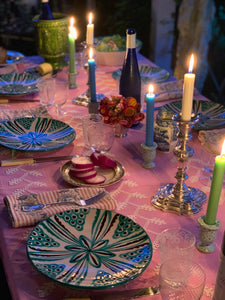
x=215 y=191
x=72 y=38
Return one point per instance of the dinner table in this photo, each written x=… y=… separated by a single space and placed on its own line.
x=132 y=194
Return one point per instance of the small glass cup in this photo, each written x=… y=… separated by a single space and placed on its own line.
x=179 y=280
x=46 y=90
x=90 y=121
x=176 y=242
x=61 y=95
x=101 y=138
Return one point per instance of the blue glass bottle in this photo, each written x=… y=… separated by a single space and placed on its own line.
x=46 y=13
x=130 y=80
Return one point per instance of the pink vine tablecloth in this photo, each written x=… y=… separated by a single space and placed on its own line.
x=132 y=194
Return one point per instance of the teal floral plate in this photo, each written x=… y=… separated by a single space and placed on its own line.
x=18 y=84
x=89 y=248
x=211 y=114
x=35 y=134
x=148 y=74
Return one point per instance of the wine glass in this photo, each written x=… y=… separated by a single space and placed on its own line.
x=208 y=160
x=101 y=137
x=61 y=95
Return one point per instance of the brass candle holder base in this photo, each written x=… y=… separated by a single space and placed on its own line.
x=178 y=197
x=207 y=235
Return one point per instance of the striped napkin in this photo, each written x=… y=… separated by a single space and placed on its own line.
x=20 y=218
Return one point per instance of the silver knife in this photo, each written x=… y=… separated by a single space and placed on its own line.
x=29 y=161
x=120 y=295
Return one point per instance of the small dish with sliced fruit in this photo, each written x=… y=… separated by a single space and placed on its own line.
x=94 y=170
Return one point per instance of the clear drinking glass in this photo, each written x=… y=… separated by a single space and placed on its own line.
x=90 y=121
x=176 y=242
x=101 y=137
x=61 y=95
x=181 y=281
x=46 y=90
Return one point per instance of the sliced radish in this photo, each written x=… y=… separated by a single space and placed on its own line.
x=79 y=171
x=106 y=161
x=98 y=179
x=102 y=161
x=86 y=175
x=82 y=162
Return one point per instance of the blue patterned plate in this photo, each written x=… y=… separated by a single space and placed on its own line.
x=89 y=248
x=35 y=134
x=18 y=84
x=211 y=114
x=148 y=74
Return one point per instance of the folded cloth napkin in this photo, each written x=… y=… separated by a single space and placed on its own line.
x=20 y=218
x=170 y=90
x=8 y=114
x=212 y=140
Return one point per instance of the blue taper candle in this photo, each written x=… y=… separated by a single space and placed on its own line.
x=150 y=99
x=91 y=67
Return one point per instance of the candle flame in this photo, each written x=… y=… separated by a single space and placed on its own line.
x=150 y=89
x=91 y=53
x=223 y=149
x=90 y=18
x=191 y=63
x=72 y=21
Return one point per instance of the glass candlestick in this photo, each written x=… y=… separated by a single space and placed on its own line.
x=179 y=197
x=84 y=98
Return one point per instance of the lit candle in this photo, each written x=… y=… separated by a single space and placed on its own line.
x=90 y=31
x=188 y=91
x=150 y=99
x=91 y=67
x=216 y=186
x=72 y=38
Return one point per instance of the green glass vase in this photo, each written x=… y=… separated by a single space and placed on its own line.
x=52 y=39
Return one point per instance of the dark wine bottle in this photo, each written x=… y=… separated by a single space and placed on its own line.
x=46 y=13
x=130 y=81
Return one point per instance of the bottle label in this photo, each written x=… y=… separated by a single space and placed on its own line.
x=131 y=41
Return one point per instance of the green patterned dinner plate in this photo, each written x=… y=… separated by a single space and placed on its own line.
x=89 y=248
x=35 y=134
x=18 y=84
x=148 y=74
x=211 y=114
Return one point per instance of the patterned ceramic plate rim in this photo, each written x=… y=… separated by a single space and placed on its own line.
x=105 y=233
x=119 y=172
x=19 y=85
x=145 y=78
x=44 y=124
x=209 y=118
x=14 y=55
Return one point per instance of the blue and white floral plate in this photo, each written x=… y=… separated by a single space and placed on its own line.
x=148 y=74
x=35 y=134
x=18 y=84
x=211 y=114
x=89 y=248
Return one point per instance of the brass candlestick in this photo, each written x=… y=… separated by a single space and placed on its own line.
x=179 y=197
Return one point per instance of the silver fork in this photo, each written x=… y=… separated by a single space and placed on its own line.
x=78 y=202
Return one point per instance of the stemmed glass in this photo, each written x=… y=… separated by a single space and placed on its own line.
x=46 y=90
x=101 y=137
x=208 y=160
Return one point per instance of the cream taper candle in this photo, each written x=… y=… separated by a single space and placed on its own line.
x=188 y=91
x=90 y=31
